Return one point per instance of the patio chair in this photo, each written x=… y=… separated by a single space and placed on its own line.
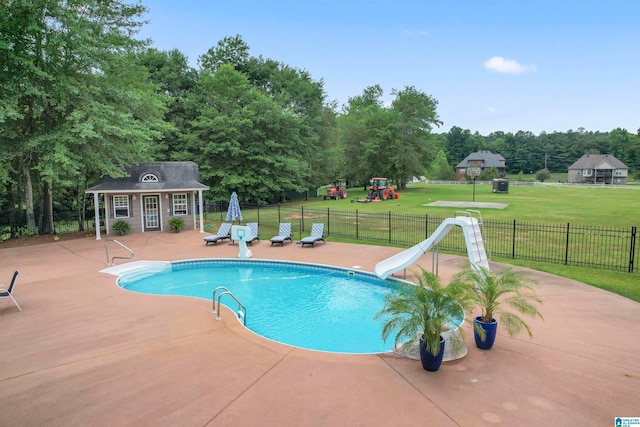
x=253 y=226
x=8 y=293
x=224 y=232
x=317 y=234
x=284 y=233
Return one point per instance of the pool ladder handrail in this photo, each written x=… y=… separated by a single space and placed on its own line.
x=241 y=314
x=106 y=249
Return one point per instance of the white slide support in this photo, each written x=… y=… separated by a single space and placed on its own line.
x=472 y=236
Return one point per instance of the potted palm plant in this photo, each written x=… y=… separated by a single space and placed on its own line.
x=428 y=307
x=493 y=292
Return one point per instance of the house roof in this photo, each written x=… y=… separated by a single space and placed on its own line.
x=153 y=176
x=489 y=160
x=592 y=161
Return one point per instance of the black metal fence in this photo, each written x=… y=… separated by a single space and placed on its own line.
x=14 y=224
x=610 y=248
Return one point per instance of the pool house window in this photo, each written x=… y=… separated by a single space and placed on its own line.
x=121 y=206
x=149 y=177
x=180 y=204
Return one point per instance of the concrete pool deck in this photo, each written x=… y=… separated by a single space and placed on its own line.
x=85 y=352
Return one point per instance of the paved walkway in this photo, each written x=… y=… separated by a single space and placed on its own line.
x=84 y=352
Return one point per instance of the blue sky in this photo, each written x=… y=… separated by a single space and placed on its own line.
x=492 y=65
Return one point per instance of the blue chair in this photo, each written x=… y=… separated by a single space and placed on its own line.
x=8 y=293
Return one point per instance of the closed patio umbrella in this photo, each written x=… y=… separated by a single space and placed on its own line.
x=233 y=213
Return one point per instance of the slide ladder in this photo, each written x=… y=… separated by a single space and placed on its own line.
x=472 y=228
x=477 y=248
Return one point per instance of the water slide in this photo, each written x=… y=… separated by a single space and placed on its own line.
x=472 y=236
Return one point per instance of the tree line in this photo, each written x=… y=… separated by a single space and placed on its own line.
x=82 y=97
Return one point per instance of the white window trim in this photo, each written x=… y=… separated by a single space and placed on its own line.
x=117 y=206
x=186 y=204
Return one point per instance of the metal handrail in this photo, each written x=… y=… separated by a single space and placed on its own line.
x=213 y=297
x=240 y=313
x=106 y=249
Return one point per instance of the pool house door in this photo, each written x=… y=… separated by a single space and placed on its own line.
x=151 y=213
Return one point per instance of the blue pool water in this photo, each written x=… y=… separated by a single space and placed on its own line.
x=303 y=305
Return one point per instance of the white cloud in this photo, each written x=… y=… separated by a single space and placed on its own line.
x=508 y=66
x=494 y=111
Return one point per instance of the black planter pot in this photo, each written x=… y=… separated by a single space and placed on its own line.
x=490 y=329
x=429 y=361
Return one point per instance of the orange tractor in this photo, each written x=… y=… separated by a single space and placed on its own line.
x=338 y=191
x=379 y=190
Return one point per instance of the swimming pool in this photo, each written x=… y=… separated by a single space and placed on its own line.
x=311 y=306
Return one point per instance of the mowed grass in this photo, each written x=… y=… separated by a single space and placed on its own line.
x=554 y=204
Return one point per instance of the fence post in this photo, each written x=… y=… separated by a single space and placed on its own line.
x=328 y=224
x=279 y=221
x=389 y=226
x=357 y=226
x=513 y=241
x=426 y=226
x=302 y=219
x=632 y=251
x=566 y=250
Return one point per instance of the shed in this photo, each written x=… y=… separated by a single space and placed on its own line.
x=149 y=196
x=500 y=185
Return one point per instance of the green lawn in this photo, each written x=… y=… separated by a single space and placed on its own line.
x=601 y=206
x=588 y=206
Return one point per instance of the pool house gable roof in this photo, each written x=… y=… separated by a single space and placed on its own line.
x=597 y=161
x=153 y=176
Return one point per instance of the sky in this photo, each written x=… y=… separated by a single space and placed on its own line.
x=492 y=65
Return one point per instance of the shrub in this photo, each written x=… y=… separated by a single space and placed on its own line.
x=176 y=224
x=542 y=175
x=121 y=227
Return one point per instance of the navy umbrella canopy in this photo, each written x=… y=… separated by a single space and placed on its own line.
x=233 y=213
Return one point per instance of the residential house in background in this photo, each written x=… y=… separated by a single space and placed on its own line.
x=481 y=160
x=151 y=194
x=598 y=169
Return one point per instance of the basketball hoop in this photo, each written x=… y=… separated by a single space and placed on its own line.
x=473 y=173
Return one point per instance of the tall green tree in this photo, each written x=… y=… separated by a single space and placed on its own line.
x=363 y=127
x=174 y=79
x=440 y=168
x=70 y=93
x=242 y=139
x=394 y=141
x=286 y=93
x=412 y=148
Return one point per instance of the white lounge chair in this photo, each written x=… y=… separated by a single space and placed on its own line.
x=284 y=233
x=317 y=235
x=224 y=232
